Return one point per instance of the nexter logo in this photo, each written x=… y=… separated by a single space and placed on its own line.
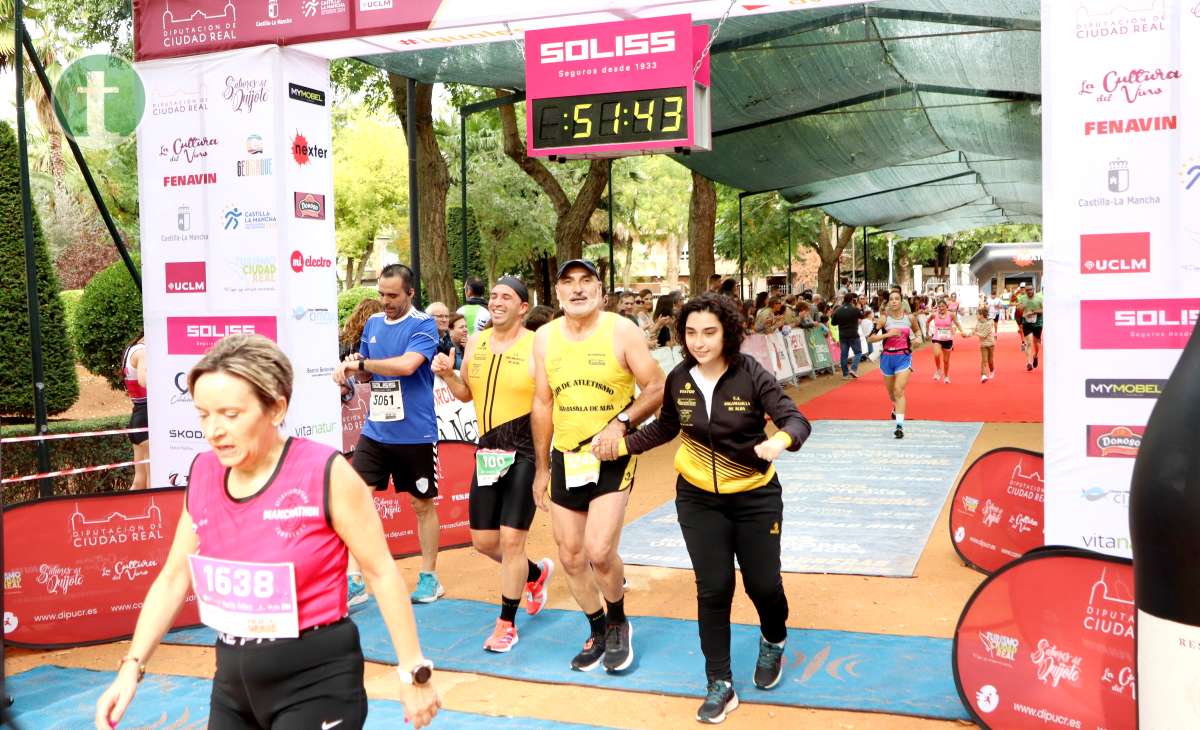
x=585 y=49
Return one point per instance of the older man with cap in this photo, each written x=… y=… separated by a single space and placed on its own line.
x=587 y=364
x=497 y=373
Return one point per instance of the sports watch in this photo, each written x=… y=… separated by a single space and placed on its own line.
x=624 y=420
x=419 y=675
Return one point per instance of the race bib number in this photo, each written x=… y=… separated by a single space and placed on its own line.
x=491 y=464
x=1031 y=318
x=943 y=333
x=580 y=468
x=246 y=599
x=387 y=401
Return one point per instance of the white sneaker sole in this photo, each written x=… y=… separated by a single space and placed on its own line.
x=358 y=600
x=772 y=685
x=430 y=599
x=730 y=707
x=628 y=660
x=516 y=639
x=588 y=667
x=548 y=569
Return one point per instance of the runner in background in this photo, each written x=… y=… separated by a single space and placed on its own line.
x=302 y=669
x=846 y=319
x=587 y=363
x=719 y=399
x=1018 y=315
x=133 y=372
x=1031 y=317
x=942 y=324
x=895 y=330
x=985 y=330
x=498 y=375
x=475 y=308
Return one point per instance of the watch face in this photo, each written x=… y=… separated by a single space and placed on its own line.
x=422 y=674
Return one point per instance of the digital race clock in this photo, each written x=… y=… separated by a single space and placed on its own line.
x=613 y=89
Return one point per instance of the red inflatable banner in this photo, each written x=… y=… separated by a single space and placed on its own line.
x=455 y=468
x=998 y=513
x=1047 y=641
x=77 y=568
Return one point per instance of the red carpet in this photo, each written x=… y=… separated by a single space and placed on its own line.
x=1014 y=396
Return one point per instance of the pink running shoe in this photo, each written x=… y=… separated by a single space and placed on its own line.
x=535 y=591
x=503 y=638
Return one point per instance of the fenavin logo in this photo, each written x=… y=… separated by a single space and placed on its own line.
x=586 y=49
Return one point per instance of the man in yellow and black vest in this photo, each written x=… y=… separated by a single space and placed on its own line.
x=587 y=364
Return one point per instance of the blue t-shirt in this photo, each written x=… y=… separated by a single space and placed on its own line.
x=414 y=332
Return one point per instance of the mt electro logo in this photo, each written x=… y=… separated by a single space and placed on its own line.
x=1114 y=253
x=586 y=49
x=1137 y=324
x=306 y=95
x=186 y=277
x=1123 y=388
x=196 y=335
x=300 y=262
x=1114 y=441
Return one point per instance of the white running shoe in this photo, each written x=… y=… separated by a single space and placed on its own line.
x=937 y=375
x=947 y=380
x=992 y=375
x=983 y=378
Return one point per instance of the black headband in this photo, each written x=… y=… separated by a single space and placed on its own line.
x=516 y=285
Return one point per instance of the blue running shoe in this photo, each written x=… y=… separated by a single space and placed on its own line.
x=428 y=589
x=356 y=592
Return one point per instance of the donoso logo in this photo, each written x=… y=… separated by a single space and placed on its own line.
x=300 y=262
x=186 y=277
x=1137 y=324
x=1114 y=253
x=196 y=335
x=1114 y=441
x=586 y=49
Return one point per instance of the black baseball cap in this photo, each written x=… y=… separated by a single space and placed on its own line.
x=589 y=265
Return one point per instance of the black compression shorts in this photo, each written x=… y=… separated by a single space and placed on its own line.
x=140 y=418
x=310 y=682
x=412 y=467
x=945 y=344
x=508 y=502
x=615 y=476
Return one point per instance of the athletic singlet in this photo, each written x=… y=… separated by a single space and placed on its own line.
x=502 y=388
x=943 y=327
x=284 y=522
x=136 y=391
x=897 y=344
x=590 y=387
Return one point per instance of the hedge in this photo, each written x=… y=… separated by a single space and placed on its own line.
x=350 y=298
x=16 y=347
x=70 y=300
x=21 y=458
x=108 y=316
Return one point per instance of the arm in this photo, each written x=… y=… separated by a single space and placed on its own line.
x=882 y=334
x=541 y=419
x=163 y=601
x=782 y=410
x=401 y=365
x=916 y=327
x=664 y=428
x=633 y=353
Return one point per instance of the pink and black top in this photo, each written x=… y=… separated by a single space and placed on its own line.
x=136 y=391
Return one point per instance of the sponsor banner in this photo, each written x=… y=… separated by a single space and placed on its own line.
x=1047 y=641
x=1123 y=388
x=1114 y=253
x=76 y=569
x=1137 y=324
x=998 y=510
x=455 y=468
x=186 y=277
x=197 y=335
x=1114 y=441
x=309 y=205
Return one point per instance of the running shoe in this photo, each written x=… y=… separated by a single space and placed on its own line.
x=503 y=638
x=590 y=655
x=992 y=375
x=1028 y=367
x=1035 y=361
x=356 y=591
x=618 y=646
x=899 y=432
x=768 y=670
x=535 y=591
x=853 y=375
x=937 y=375
x=428 y=589
x=720 y=701
x=947 y=380
x=983 y=378
x=893 y=415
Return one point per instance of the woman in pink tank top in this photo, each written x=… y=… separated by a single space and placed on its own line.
x=263 y=541
x=942 y=324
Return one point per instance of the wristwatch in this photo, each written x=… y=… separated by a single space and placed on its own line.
x=624 y=420
x=419 y=675
x=362 y=364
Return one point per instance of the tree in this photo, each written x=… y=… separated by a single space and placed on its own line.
x=702 y=217
x=650 y=194
x=107 y=318
x=16 y=346
x=832 y=239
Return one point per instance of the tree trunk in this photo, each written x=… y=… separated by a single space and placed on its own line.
x=904 y=276
x=58 y=167
x=672 y=261
x=702 y=219
x=361 y=270
x=437 y=278
x=832 y=239
x=627 y=276
x=573 y=215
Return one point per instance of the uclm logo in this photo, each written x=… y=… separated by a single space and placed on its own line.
x=196 y=335
x=587 y=49
x=186 y=277
x=1137 y=324
x=1114 y=253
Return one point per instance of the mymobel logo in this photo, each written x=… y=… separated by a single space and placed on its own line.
x=1098 y=388
x=186 y=277
x=586 y=49
x=306 y=95
x=300 y=262
x=1114 y=441
x=1137 y=324
x=99 y=98
x=195 y=335
x=1114 y=253
x=1129 y=126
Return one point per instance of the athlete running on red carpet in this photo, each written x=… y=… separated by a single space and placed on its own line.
x=895 y=331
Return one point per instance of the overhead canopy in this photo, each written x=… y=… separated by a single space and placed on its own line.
x=920 y=117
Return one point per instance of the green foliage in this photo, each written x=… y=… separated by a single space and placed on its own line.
x=16 y=351
x=94 y=22
x=370 y=182
x=108 y=317
x=21 y=458
x=366 y=83
x=350 y=298
x=70 y=301
x=454 y=244
x=765 y=230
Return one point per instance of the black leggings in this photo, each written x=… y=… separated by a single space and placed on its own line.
x=716 y=527
x=291 y=683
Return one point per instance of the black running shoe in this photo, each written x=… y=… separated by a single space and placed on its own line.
x=618 y=647
x=769 y=669
x=899 y=432
x=893 y=415
x=720 y=701
x=1035 y=361
x=590 y=655
x=1029 y=367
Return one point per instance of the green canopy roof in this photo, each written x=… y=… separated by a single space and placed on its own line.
x=920 y=117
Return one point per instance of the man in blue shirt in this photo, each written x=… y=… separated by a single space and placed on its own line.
x=399 y=438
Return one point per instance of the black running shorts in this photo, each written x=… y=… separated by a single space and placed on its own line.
x=140 y=418
x=309 y=682
x=1033 y=330
x=412 y=467
x=945 y=344
x=508 y=502
x=615 y=476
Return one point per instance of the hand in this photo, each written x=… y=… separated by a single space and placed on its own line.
x=664 y=320
x=769 y=450
x=605 y=444
x=421 y=703
x=441 y=363
x=342 y=374
x=111 y=706
x=541 y=480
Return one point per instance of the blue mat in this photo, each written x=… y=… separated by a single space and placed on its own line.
x=855 y=500
x=51 y=697
x=903 y=675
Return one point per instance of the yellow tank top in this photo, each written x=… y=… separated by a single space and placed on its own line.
x=501 y=385
x=590 y=386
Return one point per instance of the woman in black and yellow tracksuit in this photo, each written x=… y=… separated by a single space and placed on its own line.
x=728 y=497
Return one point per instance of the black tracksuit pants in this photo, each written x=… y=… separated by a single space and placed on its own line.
x=717 y=527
